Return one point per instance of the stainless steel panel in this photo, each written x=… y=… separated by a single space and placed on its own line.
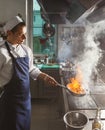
x=88 y=103
x=92 y=113
x=99 y=100
x=84 y=102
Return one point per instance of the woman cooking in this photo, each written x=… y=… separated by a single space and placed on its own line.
x=16 y=66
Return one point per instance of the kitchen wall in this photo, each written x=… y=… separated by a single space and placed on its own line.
x=11 y=8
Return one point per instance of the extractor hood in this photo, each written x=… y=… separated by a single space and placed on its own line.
x=58 y=11
x=98 y=14
x=54 y=10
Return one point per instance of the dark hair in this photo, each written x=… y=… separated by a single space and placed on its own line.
x=18 y=25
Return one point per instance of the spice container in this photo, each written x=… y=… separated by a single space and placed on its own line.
x=97 y=123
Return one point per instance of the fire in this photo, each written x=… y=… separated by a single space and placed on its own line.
x=75 y=83
x=75 y=86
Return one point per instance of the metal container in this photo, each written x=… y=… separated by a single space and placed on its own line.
x=75 y=120
x=70 y=91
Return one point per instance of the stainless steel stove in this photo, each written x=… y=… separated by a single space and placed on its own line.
x=86 y=104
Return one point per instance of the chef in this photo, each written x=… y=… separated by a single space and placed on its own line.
x=16 y=66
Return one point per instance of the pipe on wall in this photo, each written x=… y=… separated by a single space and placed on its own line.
x=29 y=19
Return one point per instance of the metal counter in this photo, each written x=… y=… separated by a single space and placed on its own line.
x=89 y=126
x=86 y=104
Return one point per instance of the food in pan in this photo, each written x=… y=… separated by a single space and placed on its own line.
x=75 y=87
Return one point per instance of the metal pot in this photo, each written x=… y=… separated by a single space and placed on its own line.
x=48 y=29
x=75 y=120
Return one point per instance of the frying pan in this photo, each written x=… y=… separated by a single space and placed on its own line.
x=70 y=91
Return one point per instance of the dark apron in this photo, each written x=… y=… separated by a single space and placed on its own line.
x=15 y=105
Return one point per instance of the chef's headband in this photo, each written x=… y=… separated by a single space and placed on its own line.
x=12 y=23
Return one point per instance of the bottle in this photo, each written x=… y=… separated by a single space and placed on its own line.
x=47 y=59
x=97 y=124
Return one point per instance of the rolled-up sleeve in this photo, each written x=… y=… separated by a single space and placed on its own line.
x=33 y=70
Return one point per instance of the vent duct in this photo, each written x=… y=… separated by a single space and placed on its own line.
x=60 y=11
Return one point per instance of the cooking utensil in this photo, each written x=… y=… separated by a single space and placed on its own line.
x=48 y=29
x=70 y=91
x=75 y=120
x=62 y=86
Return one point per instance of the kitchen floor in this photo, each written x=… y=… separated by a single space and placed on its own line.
x=46 y=115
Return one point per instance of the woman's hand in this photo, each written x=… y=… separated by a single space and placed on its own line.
x=48 y=79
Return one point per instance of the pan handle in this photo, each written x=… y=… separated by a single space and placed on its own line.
x=62 y=86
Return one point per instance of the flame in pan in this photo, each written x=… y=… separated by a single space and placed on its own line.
x=75 y=83
x=75 y=86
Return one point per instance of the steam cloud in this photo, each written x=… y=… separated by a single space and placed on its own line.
x=92 y=54
x=85 y=52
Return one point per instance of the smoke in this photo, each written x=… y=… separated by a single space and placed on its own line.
x=85 y=52
x=92 y=54
x=71 y=44
x=65 y=52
